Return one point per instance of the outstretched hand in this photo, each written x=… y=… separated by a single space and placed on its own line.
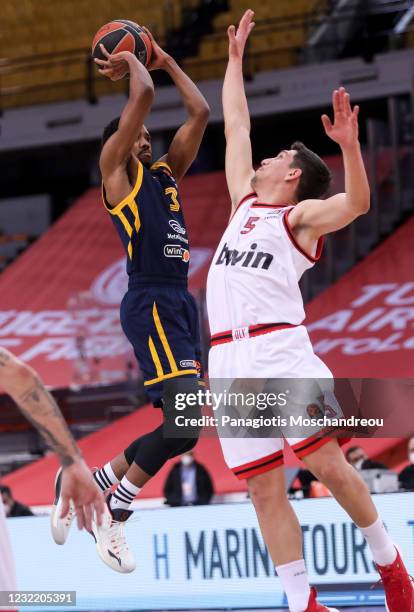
x=344 y=130
x=237 y=40
x=79 y=486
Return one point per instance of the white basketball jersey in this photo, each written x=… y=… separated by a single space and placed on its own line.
x=255 y=272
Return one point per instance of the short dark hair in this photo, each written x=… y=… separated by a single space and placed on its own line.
x=316 y=176
x=5 y=489
x=110 y=129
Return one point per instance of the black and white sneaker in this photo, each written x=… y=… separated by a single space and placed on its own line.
x=110 y=539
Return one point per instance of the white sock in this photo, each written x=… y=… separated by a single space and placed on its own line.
x=295 y=582
x=105 y=477
x=382 y=547
x=124 y=495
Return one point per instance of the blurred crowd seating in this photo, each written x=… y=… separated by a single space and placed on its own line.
x=44 y=45
x=281 y=31
x=58 y=36
x=42 y=26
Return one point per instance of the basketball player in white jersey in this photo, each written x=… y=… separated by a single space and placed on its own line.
x=79 y=492
x=278 y=221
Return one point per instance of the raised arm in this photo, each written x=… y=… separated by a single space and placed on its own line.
x=319 y=217
x=239 y=163
x=186 y=142
x=141 y=94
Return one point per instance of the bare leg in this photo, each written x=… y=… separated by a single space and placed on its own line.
x=133 y=472
x=329 y=465
x=137 y=476
x=278 y=522
x=120 y=466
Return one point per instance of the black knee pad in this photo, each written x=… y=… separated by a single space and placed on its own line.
x=178 y=446
x=189 y=445
x=151 y=452
x=153 y=449
x=182 y=402
x=182 y=397
x=131 y=451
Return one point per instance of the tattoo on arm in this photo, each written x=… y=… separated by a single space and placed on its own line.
x=39 y=407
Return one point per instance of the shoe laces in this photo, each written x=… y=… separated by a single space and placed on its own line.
x=393 y=580
x=117 y=538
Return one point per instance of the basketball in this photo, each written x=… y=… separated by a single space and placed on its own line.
x=122 y=35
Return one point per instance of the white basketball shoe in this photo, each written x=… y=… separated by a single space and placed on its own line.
x=110 y=539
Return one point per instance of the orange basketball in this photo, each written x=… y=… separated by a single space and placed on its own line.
x=123 y=35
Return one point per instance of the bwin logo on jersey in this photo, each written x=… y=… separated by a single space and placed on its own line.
x=252 y=259
x=176 y=226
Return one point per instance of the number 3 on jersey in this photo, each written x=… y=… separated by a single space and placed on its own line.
x=249 y=225
x=172 y=192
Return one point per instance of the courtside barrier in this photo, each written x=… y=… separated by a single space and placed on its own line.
x=210 y=557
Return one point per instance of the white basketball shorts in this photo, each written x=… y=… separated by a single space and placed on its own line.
x=279 y=354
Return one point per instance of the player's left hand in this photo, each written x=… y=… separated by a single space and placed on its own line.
x=344 y=130
x=159 y=57
x=116 y=66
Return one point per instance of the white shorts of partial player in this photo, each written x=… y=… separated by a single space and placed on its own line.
x=7 y=569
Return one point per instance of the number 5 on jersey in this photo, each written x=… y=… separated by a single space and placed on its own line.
x=249 y=225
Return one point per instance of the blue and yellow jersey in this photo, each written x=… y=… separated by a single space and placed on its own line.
x=150 y=223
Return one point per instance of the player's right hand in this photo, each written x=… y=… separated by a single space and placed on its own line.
x=116 y=65
x=79 y=486
x=237 y=40
x=159 y=57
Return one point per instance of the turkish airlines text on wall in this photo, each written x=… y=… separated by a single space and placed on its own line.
x=364 y=324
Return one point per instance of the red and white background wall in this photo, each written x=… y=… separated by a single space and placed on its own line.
x=60 y=299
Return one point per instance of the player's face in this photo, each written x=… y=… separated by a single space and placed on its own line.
x=142 y=147
x=277 y=168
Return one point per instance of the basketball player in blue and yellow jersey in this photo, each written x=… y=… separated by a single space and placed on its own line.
x=158 y=315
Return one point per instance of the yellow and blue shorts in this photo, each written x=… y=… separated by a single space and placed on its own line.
x=162 y=325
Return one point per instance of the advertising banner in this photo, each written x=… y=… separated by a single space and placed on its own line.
x=364 y=324
x=211 y=557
